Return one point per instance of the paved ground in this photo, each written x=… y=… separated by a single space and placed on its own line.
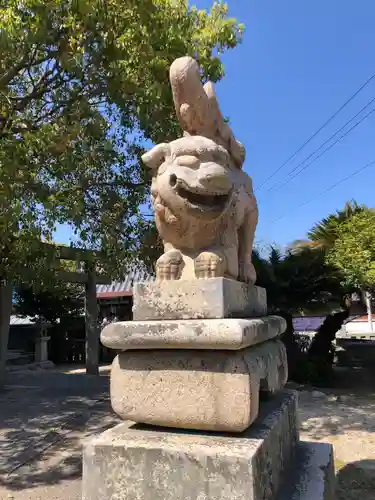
x=43 y=419
x=349 y=425
x=45 y=416
x=345 y=417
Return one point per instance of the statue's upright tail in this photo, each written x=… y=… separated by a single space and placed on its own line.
x=198 y=110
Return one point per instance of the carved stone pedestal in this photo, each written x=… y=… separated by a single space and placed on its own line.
x=203 y=374
x=198 y=299
x=203 y=390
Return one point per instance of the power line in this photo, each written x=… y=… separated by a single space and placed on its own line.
x=319 y=130
x=328 y=189
x=321 y=154
x=326 y=142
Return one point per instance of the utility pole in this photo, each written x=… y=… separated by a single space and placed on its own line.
x=5 y=312
x=368 y=298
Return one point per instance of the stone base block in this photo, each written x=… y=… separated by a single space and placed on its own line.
x=215 y=334
x=312 y=475
x=198 y=299
x=203 y=390
x=130 y=462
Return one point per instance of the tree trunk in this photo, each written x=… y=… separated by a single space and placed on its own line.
x=5 y=312
x=321 y=351
x=326 y=334
x=291 y=345
x=91 y=324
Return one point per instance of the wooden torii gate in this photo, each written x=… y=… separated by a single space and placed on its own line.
x=88 y=278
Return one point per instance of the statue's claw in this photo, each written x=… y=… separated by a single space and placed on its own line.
x=169 y=266
x=209 y=265
x=247 y=273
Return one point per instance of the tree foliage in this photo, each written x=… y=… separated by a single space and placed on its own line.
x=83 y=83
x=50 y=303
x=300 y=282
x=353 y=251
x=323 y=234
x=338 y=258
x=297 y=282
x=50 y=299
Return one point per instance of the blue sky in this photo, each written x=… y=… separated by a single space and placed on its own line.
x=300 y=60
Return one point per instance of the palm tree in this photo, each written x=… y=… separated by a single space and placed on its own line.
x=297 y=281
x=322 y=235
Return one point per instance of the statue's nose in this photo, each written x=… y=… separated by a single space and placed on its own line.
x=214 y=177
x=173 y=180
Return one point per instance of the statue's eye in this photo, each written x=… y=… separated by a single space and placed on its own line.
x=221 y=159
x=188 y=161
x=163 y=167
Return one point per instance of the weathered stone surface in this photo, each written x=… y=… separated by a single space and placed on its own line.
x=312 y=475
x=133 y=462
x=215 y=334
x=205 y=209
x=204 y=390
x=198 y=299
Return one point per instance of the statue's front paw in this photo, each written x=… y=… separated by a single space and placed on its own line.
x=209 y=265
x=169 y=266
x=247 y=273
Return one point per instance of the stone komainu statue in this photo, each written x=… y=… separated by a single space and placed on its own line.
x=205 y=209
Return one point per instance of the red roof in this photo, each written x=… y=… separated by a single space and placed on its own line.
x=111 y=295
x=122 y=288
x=365 y=318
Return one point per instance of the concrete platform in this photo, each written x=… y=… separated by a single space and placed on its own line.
x=134 y=462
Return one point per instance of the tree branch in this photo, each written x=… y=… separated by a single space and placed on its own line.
x=40 y=88
x=12 y=72
x=24 y=63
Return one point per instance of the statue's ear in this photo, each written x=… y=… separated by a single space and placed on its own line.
x=156 y=156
